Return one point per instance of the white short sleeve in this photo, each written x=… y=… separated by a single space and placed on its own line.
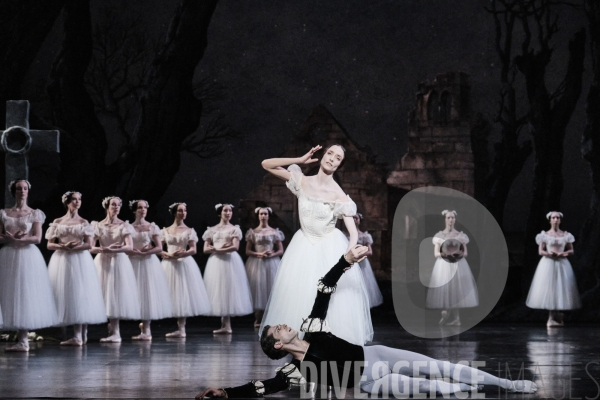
x=294 y=184
x=249 y=235
x=236 y=232
x=51 y=231
x=208 y=234
x=569 y=238
x=540 y=238
x=38 y=216
x=193 y=235
x=280 y=235
x=344 y=209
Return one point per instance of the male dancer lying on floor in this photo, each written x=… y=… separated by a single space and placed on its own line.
x=376 y=369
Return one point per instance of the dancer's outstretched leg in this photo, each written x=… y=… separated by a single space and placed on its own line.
x=408 y=364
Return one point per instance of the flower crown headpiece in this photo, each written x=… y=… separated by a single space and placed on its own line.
x=257 y=209
x=106 y=201
x=174 y=205
x=65 y=196
x=449 y=211
x=223 y=205
x=19 y=180
x=552 y=212
x=133 y=202
x=359 y=215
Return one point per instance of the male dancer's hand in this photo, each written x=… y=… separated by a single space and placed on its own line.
x=211 y=392
x=356 y=254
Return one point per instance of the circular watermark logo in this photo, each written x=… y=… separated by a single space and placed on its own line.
x=448 y=269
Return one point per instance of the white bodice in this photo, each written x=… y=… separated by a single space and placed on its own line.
x=109 y=234
x=222 y=237
x=24 y=223
x=143 y=238
x=69 y=233
x=317 y=216
x=440 y=237
x=179 y=241
x=555 y=244
x=264 y=240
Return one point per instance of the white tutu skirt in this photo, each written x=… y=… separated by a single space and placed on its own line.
x=261 y=276
x=227 y=285
x=26 y=297
x=452 y=286
x=293 y=294
x=188 y=293
x=153 y=290
x=375 y=296
x=118 y=284
x=77 y=291
x=553 y=286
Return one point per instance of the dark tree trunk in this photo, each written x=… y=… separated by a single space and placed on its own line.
x=83 y=140
x=549 y=117
x=170 y=111
x=587 y=254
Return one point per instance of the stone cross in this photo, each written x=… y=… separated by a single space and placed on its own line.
x=18 y=139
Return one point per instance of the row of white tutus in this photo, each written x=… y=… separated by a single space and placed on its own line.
x=227 y=285
x=188 y=293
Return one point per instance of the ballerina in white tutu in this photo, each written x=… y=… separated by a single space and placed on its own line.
x=225 y=277
x=114 y=268
x=26 y=296
x=188 y=293
x=554 y=287
x=317 y=246
x=452 y=285
x=153 y=290
x=72 y=271
x=365 y=239
x=263 y=260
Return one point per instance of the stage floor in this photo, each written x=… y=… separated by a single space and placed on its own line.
x=564 y=362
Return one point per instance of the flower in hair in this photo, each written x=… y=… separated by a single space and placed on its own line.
x=552 y=212
x=449 y=211
x=359 y=215
x=106 y=200
x=174 y=205
x=19 y=180
x=67 y=194
x=132 y=202
x=257 y=209
x=223 y=205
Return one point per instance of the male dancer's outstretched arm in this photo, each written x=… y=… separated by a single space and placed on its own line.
x=314 y=322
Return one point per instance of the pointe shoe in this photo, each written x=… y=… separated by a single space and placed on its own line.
x=444 y=318
x=176 y=334
x=72 y=342
x=111 y=339
x=19 y=347
x=223 y=330
x=456 y=322
x=142 y=337
x=554 y=324
x=256 y=324
x=522 y=387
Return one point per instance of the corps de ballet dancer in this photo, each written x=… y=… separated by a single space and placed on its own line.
x=73 y=276
x=226 y=281
x=317 y=246
x=153 y=290
x=188 y=293
x=26 y=297
x=452 y=285
x=264 y=245
x=365 y=239
x=117 y=279
x=554 y=287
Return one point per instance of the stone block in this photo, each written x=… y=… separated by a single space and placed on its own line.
x=434 y=161
x=401 y=178
x=464 y=147
x=449 y=175
x=443 y=147
x=412 y=161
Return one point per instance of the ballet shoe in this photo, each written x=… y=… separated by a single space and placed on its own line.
x=444 y=317
x=176 y=334
x=19 y=347
x=142 y=337
x=72 y=342
x=554 y=324
x=111 y=339
x=522 y=387
x=256 y=324
x=222 y=331
x=456 y=322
